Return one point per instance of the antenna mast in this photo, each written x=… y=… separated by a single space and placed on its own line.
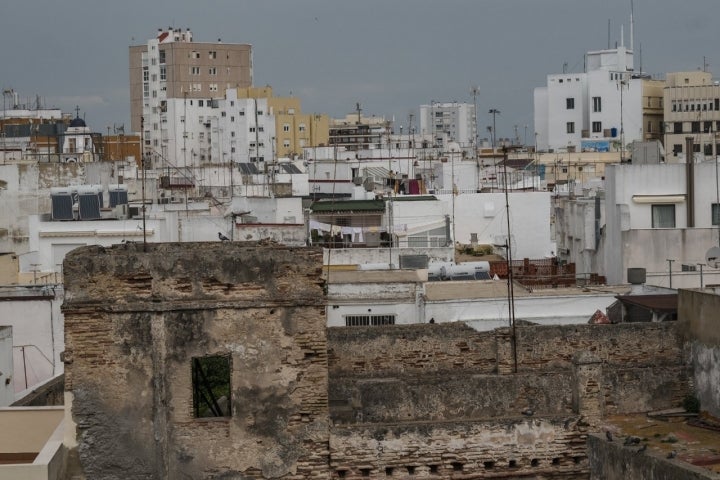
x=632 y=26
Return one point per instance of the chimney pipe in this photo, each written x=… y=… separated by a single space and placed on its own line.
x=690 y=181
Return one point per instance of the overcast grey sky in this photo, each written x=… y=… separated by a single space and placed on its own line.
x=389 y=55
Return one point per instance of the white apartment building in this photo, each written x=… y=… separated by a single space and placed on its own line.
x=453 y=121
x=227 y=130
x=598 y=110
x=649 y=216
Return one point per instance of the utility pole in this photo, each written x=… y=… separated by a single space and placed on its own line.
x=670 y=261
x=142 y=165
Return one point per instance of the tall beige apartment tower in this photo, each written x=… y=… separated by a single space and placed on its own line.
x=170 y=66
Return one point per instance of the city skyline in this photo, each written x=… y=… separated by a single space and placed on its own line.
x=389 y=57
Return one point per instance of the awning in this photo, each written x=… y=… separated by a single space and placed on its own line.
x=675 y=198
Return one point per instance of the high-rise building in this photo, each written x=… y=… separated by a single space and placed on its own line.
x=452 y=121
x=173 y=66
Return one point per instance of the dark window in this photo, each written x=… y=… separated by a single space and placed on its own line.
x=717 y=104
x=597 y=104
x=570 y=127
x=715 y=213
x=707 y=149
x=162 y=56
x=677 y=148
x=696 y=147
x=677 y=127
x=211 y=386
x=707 y=126
x=596 y=127
x=663 y=216
x=570 y=103
x=366 y=320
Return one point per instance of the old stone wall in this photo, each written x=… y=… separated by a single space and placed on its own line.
x=396 y=349
x=398 y=393
x=135 y=319
x=700 y=322
x=613 y=461
x=519 y=448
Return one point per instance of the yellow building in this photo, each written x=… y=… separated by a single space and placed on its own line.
x=293 y=129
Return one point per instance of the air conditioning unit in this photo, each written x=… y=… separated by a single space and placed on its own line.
x=121 y=211
x=686 y=267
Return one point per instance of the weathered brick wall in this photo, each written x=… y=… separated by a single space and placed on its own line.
x=410 y=349
x=637 y=344
x=448 y=397
x=431 y=371
x=135 y=320
x=513 y=448
x=390 y=350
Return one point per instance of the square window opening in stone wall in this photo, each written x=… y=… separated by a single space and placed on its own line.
x=388 y=471
x=211 y=386
x=434 y=469
x=512 y=464
x=489 y=465
x=365 y=472
x=534 y=462
x=556 y=461
x=411 y=470
x=457 y=466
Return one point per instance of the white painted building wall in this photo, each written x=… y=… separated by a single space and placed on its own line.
x=37 y=333
x=51 y=241
x=7 y=391
x=220 y=131
x=631 y=241
x=485 y=214
x=608 y=76
x=406 y=302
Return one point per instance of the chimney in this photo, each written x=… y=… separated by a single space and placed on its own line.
x=690 y=181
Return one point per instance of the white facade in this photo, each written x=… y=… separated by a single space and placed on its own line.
x=7 y=394
x=451 y=121
x=485 y=215
x=222 y=131
x=646 y=224
x=595 y=110
x=33 y=313
x=481 y=304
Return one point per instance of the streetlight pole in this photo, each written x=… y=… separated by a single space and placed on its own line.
x=475 y=90
x=493 y=112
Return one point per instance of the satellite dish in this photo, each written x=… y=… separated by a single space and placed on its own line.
x=712 y=257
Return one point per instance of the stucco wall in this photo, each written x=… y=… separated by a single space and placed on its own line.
x=698 y=312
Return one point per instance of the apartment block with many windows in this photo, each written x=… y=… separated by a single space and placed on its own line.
x=173 y=66
x=692 y=109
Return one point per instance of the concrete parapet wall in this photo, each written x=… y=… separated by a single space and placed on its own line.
x=613 y=461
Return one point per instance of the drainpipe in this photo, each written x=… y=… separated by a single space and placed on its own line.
x=690 y=181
